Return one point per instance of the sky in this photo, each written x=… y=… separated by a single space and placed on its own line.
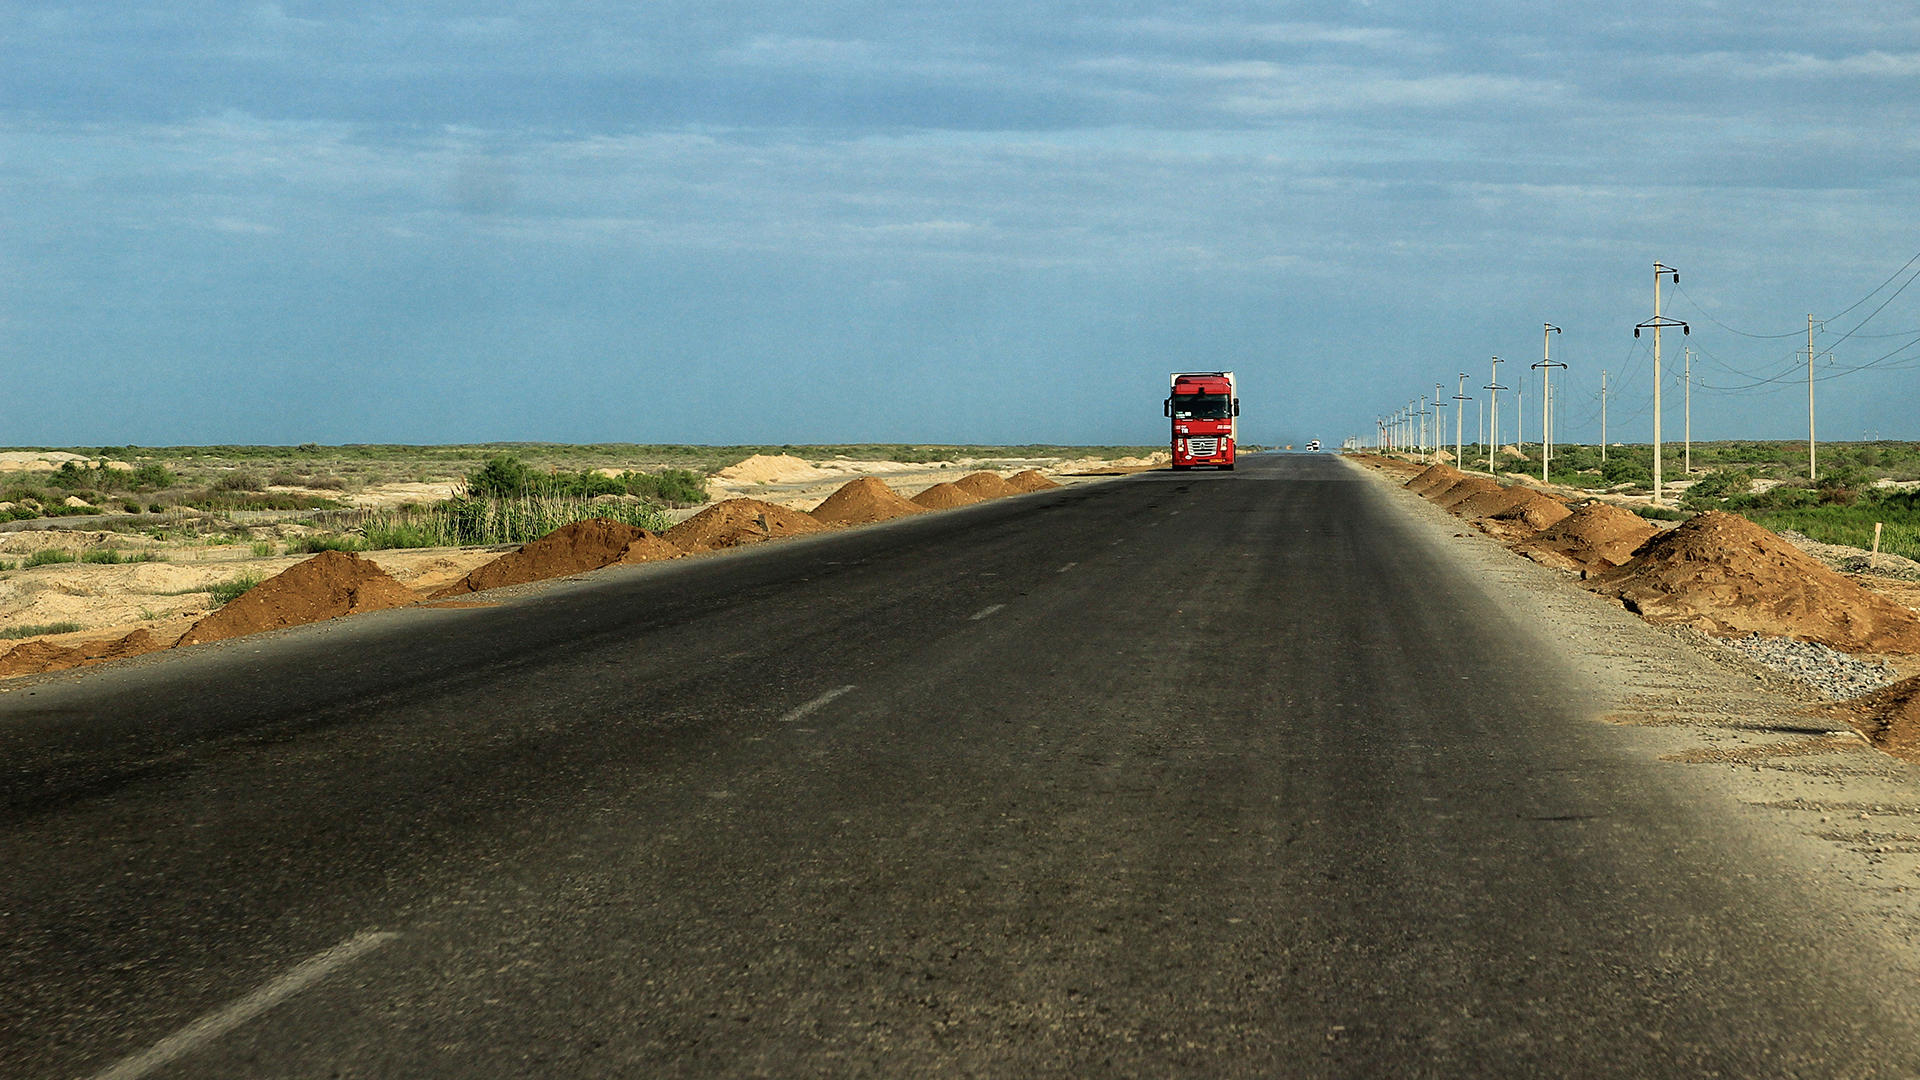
x=745 y=221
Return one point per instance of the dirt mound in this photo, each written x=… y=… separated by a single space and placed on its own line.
x=650 y=547
x=1488 y=503
x=1528 y=515
x=1889 y=717
x=770 y=469
x=1461 y=490
x=946 y=496
x=739 y=521
x=1435 y=476
x=330 y=584
x=1029 y=480
x=1594 y=537
x=863 y=502
x=570 y=549
x=986 y=485
x=1723 y=574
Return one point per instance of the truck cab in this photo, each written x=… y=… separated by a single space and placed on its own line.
x=1204 y=408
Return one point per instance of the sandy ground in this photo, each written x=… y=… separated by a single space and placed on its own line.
x=166 y=596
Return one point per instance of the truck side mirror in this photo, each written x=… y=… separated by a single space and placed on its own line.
x=1236 y=406
x=1166 y=407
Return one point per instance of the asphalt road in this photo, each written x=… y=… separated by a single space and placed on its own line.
x=1176 y=775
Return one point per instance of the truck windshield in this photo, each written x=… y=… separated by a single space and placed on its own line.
x=1201 y=407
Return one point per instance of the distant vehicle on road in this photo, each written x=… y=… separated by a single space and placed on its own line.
x=1204 y=409
x=1314 y=446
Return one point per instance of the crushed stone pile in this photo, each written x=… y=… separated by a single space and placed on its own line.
x=1594 y=537
x=1461 y=490
x=570 y=549
x=1724 y=575
x=1889 y=717
x=330 y=584
x=34 y=657
x=945 y=496
x=1029 y=480
x=863 y=502
x=739 y=521
x=1527 y=515
x=771 y=469
x=1435 y=476
x=986 y=485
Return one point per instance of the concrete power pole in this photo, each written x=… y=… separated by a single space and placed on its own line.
x=1459 y=419
x=1688 y=458
x=1546 y=366
x=1655 y=324
x=1812 y=474
x=1493 y=411
x=1440 y=425
x=1603 y=416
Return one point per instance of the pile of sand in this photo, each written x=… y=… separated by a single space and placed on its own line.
x=1433 y=477
x=34 y=657
x=863 y=502
x=1722 y=574
x=1029 y=480
x=1526 y=516
x=1889 y=717
x=946 y=496
x=330 y=584
x=985 y=485
x=739 y=521
x=571 y=549
x=1488 y=503
x=771 y=469
x=1461 y=490
x=1595 y=537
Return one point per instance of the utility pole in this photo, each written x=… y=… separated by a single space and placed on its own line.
x=1688 y=459
x=1425 y=445
x=1603 y=416
x=1655 y=324
x=1546 y=366
x=1493 y=411
x=1459 y=419
x=1811 y=473
x=1439 y=424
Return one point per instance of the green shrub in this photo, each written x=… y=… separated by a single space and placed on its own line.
x=314 y=545
x=240 y=481
x=49 y=556
x=226 y=592
x=263 y=548
x=152 y=475
x=1622 y=470
x=44 y=628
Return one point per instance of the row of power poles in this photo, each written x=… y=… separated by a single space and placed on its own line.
x=1407 y=428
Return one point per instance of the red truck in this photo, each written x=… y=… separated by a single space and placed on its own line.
x=1204 y=408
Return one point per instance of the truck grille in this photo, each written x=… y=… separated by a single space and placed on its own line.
x=1203 y=447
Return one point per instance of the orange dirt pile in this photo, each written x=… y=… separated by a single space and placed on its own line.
x=946 y=496
x=1595 y=537
x=34 y=657
x=1528 y=515
x=330 y=584
x=1028 y=480
x=570 y=549
x=1723 y=574
x=739 y=521
x=1488 y=503
x=986 y=485
x=863 y=502
x=1889 y=717
x=1461 y=490
x=1435 y=476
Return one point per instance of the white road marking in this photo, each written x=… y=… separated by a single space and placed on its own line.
x=804 y=711
x=1066 y=568
x=214 y=1025
x=984 y=612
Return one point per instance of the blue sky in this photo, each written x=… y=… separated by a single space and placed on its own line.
x=741 y=221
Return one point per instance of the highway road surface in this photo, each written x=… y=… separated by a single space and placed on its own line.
x=1221 y=774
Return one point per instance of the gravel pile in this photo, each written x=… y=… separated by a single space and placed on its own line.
x=1830 y=672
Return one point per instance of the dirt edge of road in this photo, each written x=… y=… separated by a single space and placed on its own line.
x=1743 y=732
